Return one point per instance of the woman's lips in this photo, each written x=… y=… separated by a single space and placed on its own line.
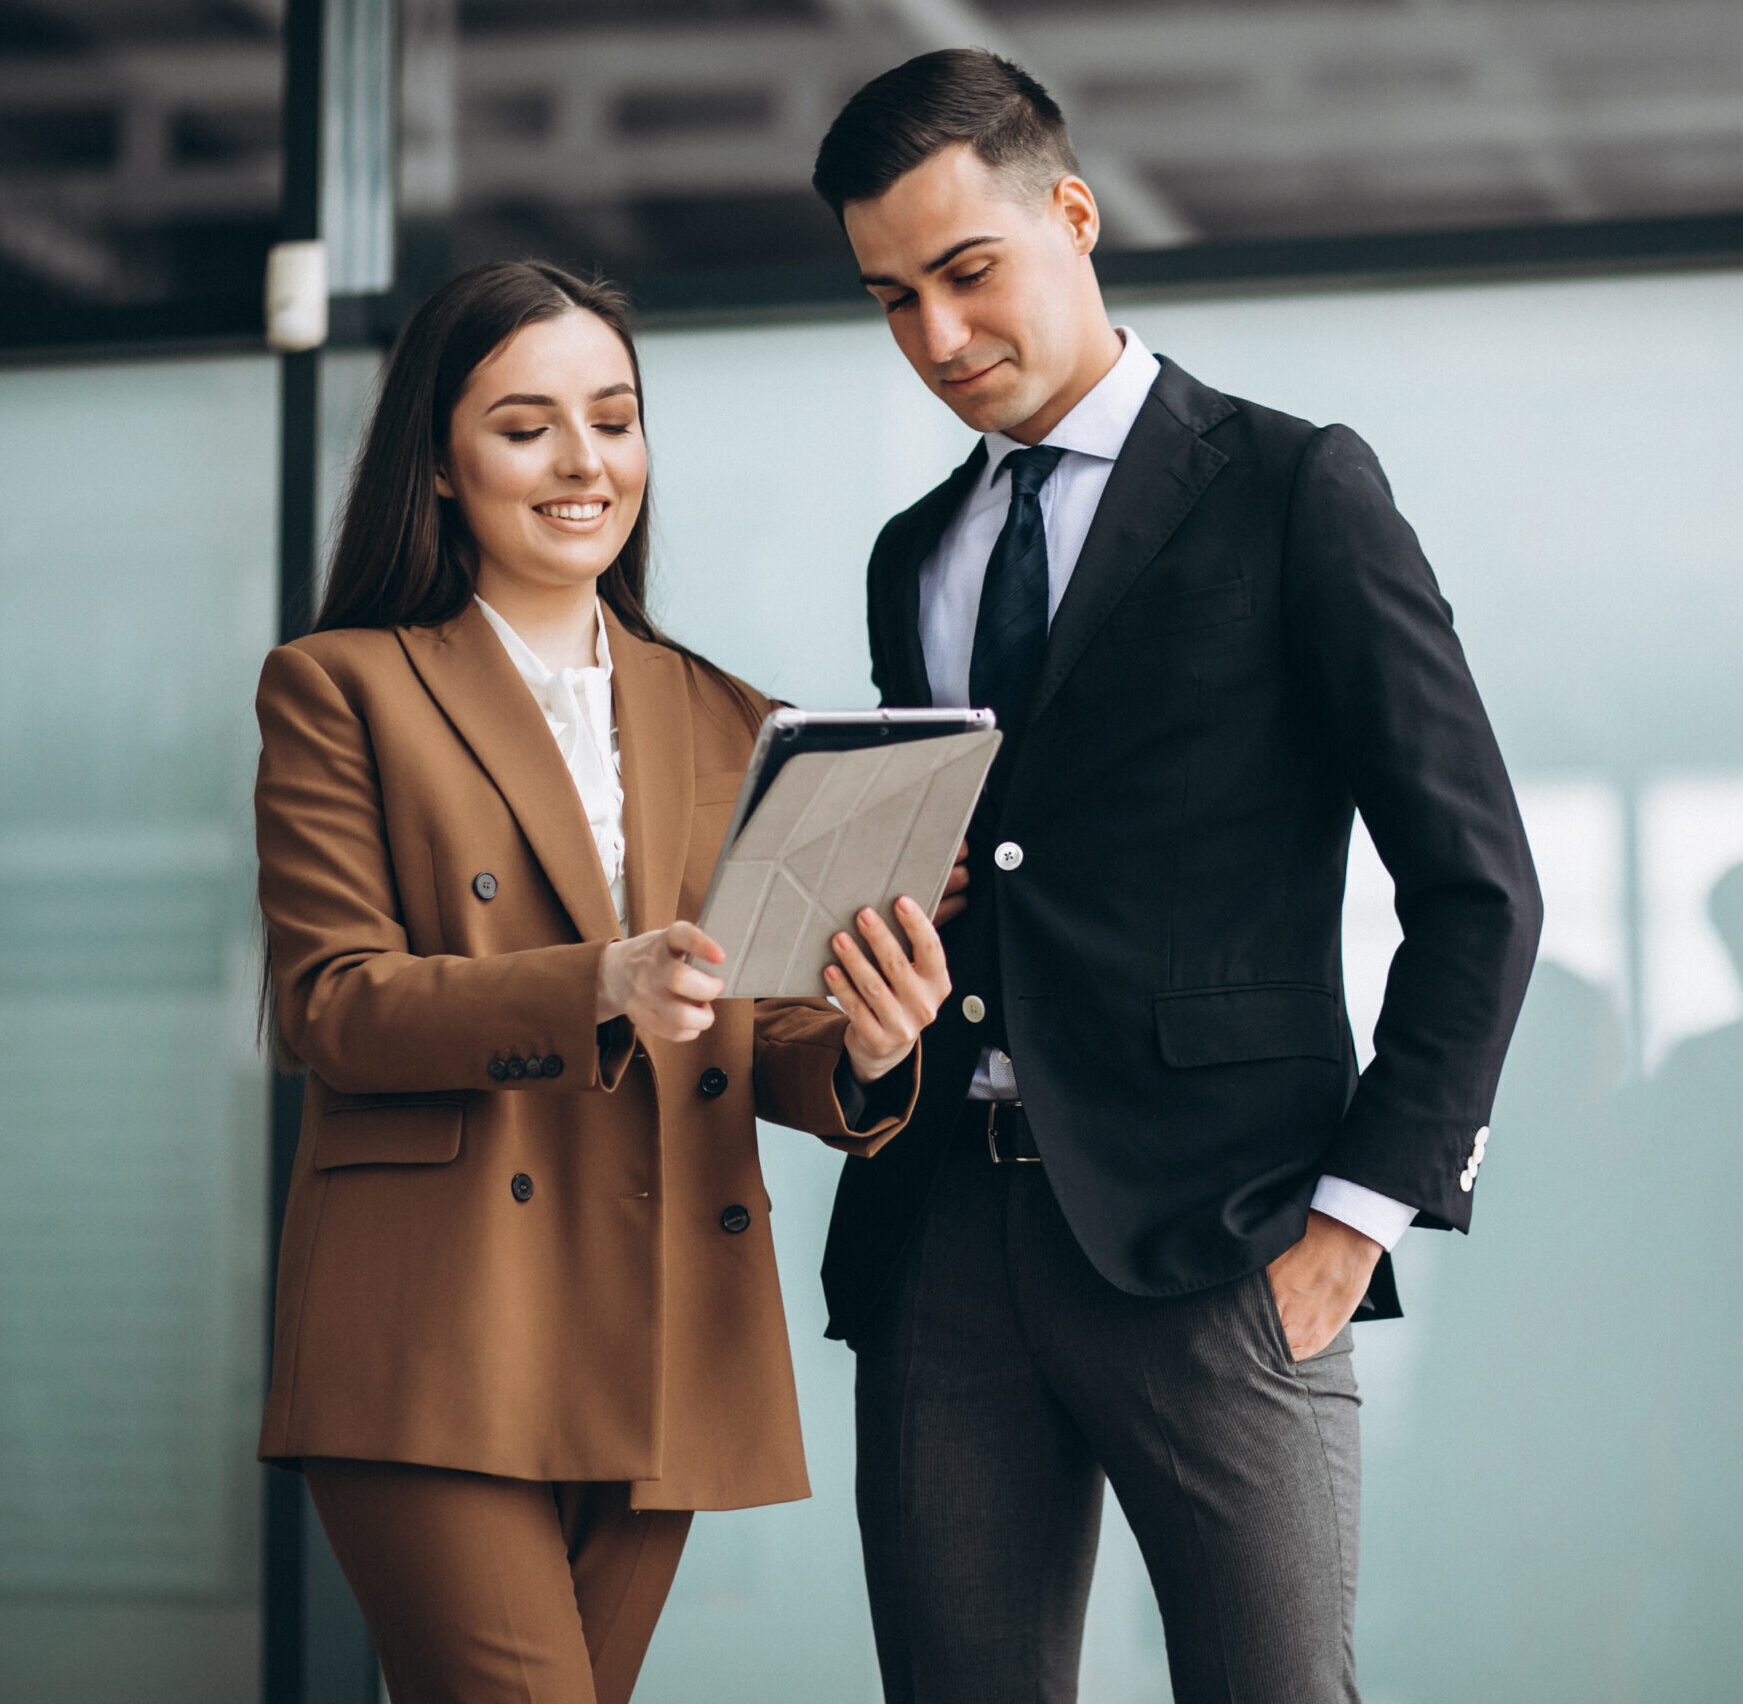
x=582 y=517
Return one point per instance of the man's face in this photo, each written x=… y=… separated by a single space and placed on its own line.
x=984 y=285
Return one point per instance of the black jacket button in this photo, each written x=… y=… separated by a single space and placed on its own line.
x=535 y=1066
x=522 y=1187
x=517 y=1067
x=553 y=1064
x=714 y=1082
x=734 y=1220
x=498 y=1071
x=484 y=885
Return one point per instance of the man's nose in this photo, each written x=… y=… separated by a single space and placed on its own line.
x=943 y=335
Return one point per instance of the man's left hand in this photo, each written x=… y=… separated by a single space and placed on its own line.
x=955 y=899
x=1320 y=1281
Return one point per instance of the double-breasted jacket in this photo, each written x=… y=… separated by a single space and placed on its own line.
x=518 y=1241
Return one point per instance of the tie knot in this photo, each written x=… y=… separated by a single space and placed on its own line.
x=1029 y=468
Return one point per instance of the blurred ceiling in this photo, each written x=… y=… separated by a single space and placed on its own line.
x=655 y=135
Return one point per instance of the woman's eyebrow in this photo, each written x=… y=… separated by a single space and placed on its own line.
x=525 y=399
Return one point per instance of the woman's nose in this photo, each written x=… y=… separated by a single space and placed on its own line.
x=578 y=457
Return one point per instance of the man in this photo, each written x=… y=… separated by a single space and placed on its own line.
x=1209 y=636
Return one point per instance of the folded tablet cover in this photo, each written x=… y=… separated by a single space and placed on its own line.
x=837 y=831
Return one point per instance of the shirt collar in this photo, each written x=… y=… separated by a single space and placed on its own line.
x=1100 y=424
x=528 y=663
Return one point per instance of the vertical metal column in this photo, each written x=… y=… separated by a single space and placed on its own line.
x=338 y=181
x=284 y=1511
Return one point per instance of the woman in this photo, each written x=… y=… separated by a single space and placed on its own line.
x=528 y=1316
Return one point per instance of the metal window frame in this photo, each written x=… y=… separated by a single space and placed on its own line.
x=808 y=292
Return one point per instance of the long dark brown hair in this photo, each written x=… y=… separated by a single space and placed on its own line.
x=404 y=556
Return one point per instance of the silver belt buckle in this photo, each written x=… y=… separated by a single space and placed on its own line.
x=992 y=1140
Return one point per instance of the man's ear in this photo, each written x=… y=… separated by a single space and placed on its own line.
x=1075 y=203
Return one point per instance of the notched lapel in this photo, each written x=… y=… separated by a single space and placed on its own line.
x=467 y=672
x=652 y=693
x=917 y=536
x=1162 y=471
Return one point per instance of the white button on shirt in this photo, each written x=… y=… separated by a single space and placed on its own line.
x=1092 y=435
x=578 y=710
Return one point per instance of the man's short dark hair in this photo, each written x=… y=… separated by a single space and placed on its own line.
x=961 y=94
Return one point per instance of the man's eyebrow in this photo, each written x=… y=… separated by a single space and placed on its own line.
x=872 y=281
x=526 y=399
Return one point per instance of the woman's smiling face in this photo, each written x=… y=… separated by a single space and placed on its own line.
x=545 y=455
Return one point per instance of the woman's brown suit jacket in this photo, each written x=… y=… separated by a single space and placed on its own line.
x=564 y=1273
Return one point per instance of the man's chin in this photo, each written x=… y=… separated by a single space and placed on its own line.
x=992 y=413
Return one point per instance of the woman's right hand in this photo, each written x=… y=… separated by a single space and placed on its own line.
x=647 y=980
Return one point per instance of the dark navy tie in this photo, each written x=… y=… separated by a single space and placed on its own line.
x=1011 y=630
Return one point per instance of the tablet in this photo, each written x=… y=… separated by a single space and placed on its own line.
x=786 y=733
x=839 y=809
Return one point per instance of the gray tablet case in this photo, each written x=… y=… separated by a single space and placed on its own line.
x=838 y=830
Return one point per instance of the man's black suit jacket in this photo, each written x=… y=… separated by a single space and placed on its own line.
x=1251 y=647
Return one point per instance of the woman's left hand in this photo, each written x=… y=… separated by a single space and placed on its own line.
x=888 y=997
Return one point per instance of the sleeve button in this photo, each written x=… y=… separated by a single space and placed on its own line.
x=517 y=1067
x=484 y=885
x=521 y=1187
x=498 y=1071
x=535 y=1066
x=713 y=1082
x=553 y=1064
x=734 y=1220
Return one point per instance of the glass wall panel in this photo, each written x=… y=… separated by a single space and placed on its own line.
x=1554 y=1473
x=137 y=578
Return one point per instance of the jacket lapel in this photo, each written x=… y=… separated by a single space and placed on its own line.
x=1162 y=471
x=467 y=672
x=914 y=540
x=651 y=691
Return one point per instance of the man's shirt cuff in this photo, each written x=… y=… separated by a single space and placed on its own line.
x=1365 y=1210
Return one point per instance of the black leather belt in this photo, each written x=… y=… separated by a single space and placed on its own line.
x=998 y=1129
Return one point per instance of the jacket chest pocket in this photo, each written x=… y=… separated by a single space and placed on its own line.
x=711 y=810
x=390 y=1131
x=1159 y=616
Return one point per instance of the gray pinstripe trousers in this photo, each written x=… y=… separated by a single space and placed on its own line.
x=998 y=1387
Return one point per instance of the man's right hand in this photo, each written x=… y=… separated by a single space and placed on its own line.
x=955 y=900
x=647 y=980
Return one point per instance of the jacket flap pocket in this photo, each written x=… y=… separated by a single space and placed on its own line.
x=1227 y=1026
x=384 y=1132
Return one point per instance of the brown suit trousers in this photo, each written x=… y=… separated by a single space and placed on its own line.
x=479 y=1590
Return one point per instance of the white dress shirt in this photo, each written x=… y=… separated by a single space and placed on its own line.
x=578 y=709
x=1092 y=436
